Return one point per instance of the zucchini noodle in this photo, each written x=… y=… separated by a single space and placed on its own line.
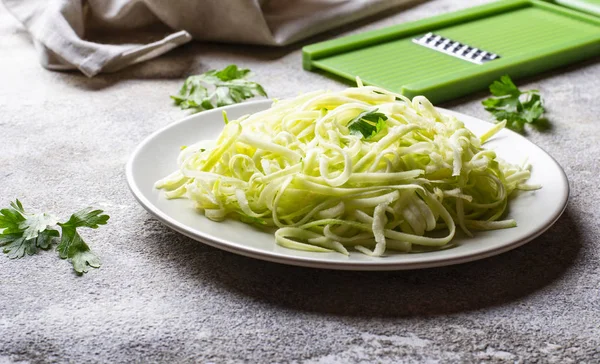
x=299 y=168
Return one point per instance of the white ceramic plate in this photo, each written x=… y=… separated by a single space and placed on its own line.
x=155 y=157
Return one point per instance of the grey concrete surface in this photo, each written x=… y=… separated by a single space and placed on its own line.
x=161 y=297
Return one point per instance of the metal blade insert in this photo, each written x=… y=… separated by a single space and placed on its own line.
x=455 y=49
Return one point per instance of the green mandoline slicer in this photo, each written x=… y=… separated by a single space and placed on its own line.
x=454 y=54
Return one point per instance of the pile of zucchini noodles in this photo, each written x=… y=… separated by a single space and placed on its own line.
x=298 y=168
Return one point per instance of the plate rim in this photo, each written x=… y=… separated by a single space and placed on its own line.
x=270 y=256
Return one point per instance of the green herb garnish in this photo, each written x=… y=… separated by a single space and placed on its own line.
x=367 y=124
x=26 y=233
x=227 y=86
x=513 y=105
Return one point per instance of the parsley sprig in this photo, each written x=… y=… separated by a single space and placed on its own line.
x=26 y=233
x=217 y=88
x=513 y=105
x=367 y=124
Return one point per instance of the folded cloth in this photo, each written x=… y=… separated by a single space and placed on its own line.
x=60 y=28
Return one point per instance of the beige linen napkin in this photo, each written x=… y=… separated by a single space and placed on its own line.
x=59 y=27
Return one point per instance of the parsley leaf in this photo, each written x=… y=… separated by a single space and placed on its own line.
x=513 y=105
x=367 y=124
x=229 y=86
x=71 y=244
x=25 y=233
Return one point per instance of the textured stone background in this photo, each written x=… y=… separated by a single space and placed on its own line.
x=161 y=297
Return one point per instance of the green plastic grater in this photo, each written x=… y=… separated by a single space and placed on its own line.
x=452 y=55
